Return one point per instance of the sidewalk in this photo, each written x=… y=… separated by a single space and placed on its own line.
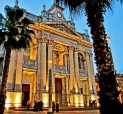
x=62 y=110
x=10 y=111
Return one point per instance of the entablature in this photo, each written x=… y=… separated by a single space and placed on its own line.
x=43 y=27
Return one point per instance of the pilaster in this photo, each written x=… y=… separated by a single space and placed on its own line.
x=43 y=64
x=92 y=74
x=15 y=71
x=67 y=80
x=18 y=79
x=39 y=92
x=89 y=72
x=11 y=67
x=79 y=85
x=50 y=58
x=66 y=62
x=71 y=81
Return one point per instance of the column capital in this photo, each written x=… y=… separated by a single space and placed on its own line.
x=43 y=40
x=71 y=48
x=76 y=49
x=50 y=42
x=88 y=54
x=39 y=40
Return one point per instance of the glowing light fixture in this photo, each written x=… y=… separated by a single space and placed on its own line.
x=7 y=105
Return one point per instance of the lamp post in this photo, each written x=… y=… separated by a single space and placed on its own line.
x=50 y=89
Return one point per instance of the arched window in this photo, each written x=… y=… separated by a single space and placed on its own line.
x=56 y=57
x=81 y=61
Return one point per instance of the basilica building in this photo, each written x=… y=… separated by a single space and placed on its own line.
x=59 y=47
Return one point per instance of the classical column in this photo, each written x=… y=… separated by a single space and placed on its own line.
x=65 y=59
x=66 y=79
x=71 y=81
x=18 y=71
x=11 y=67
x=92 y=74
x=39 y=71
x=77 y=69
x=50 y=58
x=43 y=64
x=89 y=72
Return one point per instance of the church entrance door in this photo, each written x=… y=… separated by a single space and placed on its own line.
x=58 y=90
x=25 y=94
x=58 y=85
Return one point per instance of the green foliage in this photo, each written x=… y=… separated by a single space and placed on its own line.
x=14 y=14
x=16 y=33
x=27 y=21
x=78 y=6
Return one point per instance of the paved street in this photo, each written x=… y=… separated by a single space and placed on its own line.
x=45 y=112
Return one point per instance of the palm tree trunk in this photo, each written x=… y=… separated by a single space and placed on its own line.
x=14 y=74
x=4 y=79
x=109 y=103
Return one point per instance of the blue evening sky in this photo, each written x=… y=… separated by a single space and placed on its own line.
x=113 y=24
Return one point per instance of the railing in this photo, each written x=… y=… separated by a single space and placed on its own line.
x=60 y=68
x=27 y=63
x=82 y=72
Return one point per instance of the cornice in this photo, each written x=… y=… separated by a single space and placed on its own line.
x=62 y=23
x=43 y=27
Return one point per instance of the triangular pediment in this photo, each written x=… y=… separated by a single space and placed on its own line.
x=63 y=26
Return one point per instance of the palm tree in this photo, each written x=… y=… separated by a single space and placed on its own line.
x=95 y=10
x=14 y=35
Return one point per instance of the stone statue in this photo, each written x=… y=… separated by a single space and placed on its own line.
x=86 y=31
x=44 y=7
x=16 y=3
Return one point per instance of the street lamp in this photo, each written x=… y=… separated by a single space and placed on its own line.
x=107 y=38
x=50 y=88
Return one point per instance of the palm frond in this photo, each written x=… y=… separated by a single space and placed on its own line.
x=19 y=35
x=9 y=13
x=18 y=13
x=14 y=14
x=23 y=43
x=31 y=31
x=27 y=21
x=77 y=6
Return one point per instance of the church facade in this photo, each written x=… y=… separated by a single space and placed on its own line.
x=59 y=47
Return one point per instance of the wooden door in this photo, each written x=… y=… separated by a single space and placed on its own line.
x=25 y=94
x=58 y=85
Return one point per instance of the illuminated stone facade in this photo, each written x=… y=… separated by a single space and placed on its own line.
x=56 y=40
x=119 y=78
